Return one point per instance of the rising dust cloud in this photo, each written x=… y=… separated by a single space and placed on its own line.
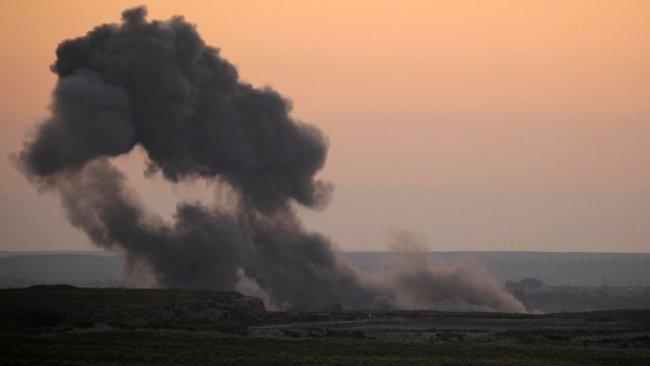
x=157 y=86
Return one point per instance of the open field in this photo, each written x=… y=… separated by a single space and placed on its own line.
x=73 y=326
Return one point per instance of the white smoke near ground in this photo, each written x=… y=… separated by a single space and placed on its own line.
x=421 y=282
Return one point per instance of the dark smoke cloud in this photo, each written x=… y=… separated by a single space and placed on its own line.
x=205 y=247
x=157 y=85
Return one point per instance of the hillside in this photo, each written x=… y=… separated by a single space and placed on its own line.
x=63 y=325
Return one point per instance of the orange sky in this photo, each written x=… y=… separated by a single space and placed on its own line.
x=497 y=101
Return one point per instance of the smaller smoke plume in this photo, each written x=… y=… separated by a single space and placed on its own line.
x=418 y=282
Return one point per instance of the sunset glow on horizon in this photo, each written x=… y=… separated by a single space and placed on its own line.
x=485 y=125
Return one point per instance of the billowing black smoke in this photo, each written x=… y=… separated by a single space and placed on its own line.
x=157 y=85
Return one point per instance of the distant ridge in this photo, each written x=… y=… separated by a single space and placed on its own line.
x=101 y=269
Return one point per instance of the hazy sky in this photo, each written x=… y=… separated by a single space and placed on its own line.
x=485 y=125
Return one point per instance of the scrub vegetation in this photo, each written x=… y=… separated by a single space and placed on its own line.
x=64 y=325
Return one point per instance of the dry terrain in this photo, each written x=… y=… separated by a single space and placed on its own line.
x=63 y=325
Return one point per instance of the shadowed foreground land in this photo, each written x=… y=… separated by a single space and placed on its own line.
x=71 y=326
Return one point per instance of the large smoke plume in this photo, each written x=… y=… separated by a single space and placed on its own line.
x=157 y=85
